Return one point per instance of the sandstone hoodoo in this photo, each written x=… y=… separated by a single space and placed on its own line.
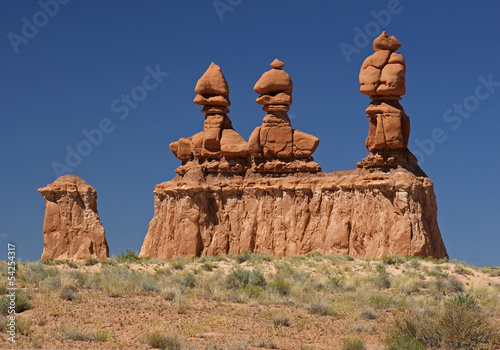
x=218 y=148
x=382 y=77
x=268 y=195
x=275 y=146
x=72 y=228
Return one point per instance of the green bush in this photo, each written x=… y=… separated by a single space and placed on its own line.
x=405 y=344
x=257 y=278
x=36 y=272
x=159 y=340
x=237 y=278
x=189 y=281
x=382 y=281
x=92 y=261
x=129 y=257
x=281 y=285
x=178 y=263
x=22 y=303
x=117 y=281
x=71 y=264
x=244 y=256
x=458 y=324
x=353 y=344
x=149 y=286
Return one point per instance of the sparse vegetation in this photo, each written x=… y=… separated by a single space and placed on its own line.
x=159 y=340
x=353 y=344
x=91 y=261
x=408 y=302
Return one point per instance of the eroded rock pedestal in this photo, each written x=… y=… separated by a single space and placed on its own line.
x=268 y=195
x=382 y=77
x=358 y=212
x=72 y=228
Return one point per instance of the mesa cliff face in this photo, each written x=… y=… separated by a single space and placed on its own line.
x=357 y=212
x=269 y=195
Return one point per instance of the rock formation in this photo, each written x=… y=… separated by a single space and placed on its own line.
x=357 y=212
x=218 y=148
x=72 y=228
x=283 y=204
x=382 y=77
x=275 y=146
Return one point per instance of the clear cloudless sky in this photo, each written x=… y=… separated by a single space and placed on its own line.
x=64 y=69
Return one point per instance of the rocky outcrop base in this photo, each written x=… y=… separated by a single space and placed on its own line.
x=357 y=212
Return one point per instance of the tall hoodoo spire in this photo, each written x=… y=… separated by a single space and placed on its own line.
x=382 y=77
x=275 y=146
x=215 y=148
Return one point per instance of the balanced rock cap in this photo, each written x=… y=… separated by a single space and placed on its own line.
x=386 y=42
x=274 y=81
x=212 y=82
x=69 y=178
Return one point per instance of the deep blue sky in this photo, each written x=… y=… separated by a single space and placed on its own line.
x=67 y=74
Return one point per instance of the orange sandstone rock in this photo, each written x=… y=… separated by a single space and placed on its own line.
x=72 y=228
x=382 y=77
x=218 y=140
x=275 y=145
x=358 y=212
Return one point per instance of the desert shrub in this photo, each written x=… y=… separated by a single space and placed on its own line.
x=238 y=277
x=281 y=320
x=178 y=263
x=320 y=307
x=380 y=268
x=281 y=285
x=405 y=344
x=169 y=293
x=23 y=326
x=459 y=269
x=380 y=301
x=347 y=258
x=414 y=263
x=208 y=266
x=71 y=264
x=189 y=281
x=382 y=281
x=389 y=260
x=22 y=302
x=257 y=278
x=76 y=333
x=155 y=339
x=455 y=285
x=254 y=291
x=368 y=313
x=263 y=257
x=101 y=336
x=436 y=272
x=50 y=284
x=36 y=272
x=91 y=261
x=458 y=324
x=243 y=256
x=78 y=277
x=353 y=344
x=69 y=292
x=445 y=285
x=463 y=325
x=117 y=281
x=129 y=257
x=149 y=286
